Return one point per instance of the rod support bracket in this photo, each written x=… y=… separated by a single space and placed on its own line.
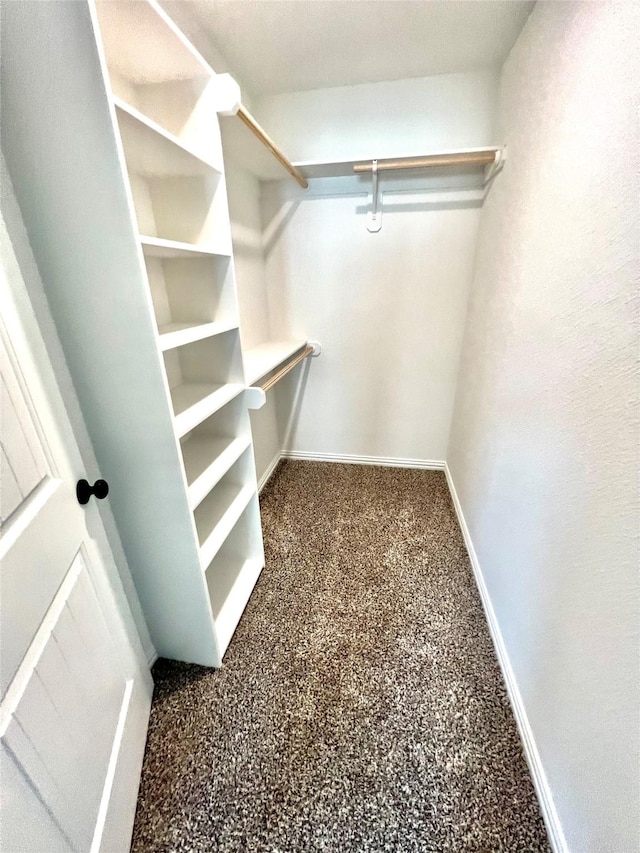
x=374 y=217
x=228 y=97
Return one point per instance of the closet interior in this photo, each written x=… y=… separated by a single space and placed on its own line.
x=210 y=211
x=266 y=286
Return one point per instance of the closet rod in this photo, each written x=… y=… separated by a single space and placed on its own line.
x=266 y=140
x=471 y=158
x=289 y=366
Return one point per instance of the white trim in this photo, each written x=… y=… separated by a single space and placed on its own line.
x=349 y=459
x=152 y=657
x=105 y=800
x=541 y=784
x=268 y=474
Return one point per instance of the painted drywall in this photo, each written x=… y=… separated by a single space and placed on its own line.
x=543 y=450
x=398 y=118
x=243 y=191
x=388 y=308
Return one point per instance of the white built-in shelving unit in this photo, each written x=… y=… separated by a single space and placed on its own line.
x=163 y=99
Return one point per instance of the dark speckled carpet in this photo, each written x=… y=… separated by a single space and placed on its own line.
x=360 y=706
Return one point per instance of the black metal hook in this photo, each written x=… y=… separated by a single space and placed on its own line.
x=100 y=490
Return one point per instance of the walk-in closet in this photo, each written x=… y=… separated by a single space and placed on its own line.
x=340 y=301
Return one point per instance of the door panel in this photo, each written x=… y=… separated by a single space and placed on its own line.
x=64 y=727
x=76 y=689
x=29 y=826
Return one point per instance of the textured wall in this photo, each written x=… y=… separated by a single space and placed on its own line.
x=543 y=450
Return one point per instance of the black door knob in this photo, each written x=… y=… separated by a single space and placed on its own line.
x=100 y=490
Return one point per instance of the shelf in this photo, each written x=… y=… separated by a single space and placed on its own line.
x=206 y=460
x=193 y=402
x=240 y=576
x=152 y=150
x=179 y=334
x=264 y=358
x=344 y=168
x=158 y=247
x=216 y=516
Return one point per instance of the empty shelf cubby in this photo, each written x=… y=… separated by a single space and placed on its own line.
x=212 y=447
x=192 y=297
x=232 y=573
x=185 y=208
x=177 y=196
x=202 y=377
x=217 y=514
x=167 y=81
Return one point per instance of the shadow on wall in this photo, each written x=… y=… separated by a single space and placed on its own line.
x=289 y=403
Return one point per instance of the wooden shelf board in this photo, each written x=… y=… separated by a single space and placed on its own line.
x=150 y=143
x=193 y=402
x=175 y=335
x=221 y=509
x=159 y=247
x=206 y=460
x=264 y=358
x=227 y=612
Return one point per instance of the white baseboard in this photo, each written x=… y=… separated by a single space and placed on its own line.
x=349 y=459
x=262 y=482
x=541 y=784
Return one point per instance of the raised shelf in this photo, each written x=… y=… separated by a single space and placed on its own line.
x=264 y=358
x=178 y=334
x=216 y=516
x=344 y=168
x=158 y=247
x=240 y=579
x=195 y=401
x=152 y=150
x=206 y=460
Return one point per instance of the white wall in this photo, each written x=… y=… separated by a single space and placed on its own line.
x=543 y=451
x=246 y=233
x=388 y=308
x=393 y=119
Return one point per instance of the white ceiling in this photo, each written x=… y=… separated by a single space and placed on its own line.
x=277 y=46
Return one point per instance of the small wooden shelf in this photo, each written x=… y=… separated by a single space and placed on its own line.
x=216 y=516
x=206 y=460
x=150 y=149
x=193 y=402
x=158 y=247
x=263 y=359
x=178 y=334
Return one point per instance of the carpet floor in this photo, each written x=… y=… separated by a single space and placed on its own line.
x=360 y=706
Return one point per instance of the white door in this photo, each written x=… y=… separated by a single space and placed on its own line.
x=74 y=682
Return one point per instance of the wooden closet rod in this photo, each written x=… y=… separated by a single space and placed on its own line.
x=266 y=140
x=471 y=158
x=289 y=366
